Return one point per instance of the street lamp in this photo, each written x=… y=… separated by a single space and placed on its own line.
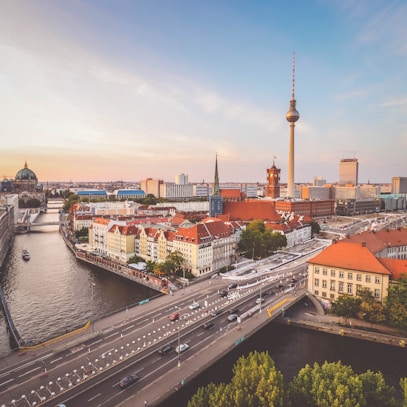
x=93 y=305
x=179 y=338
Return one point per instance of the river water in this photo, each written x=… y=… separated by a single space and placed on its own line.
x=53 y=292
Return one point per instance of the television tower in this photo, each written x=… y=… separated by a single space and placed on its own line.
x=292 y=116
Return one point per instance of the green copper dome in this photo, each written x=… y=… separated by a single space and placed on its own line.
x=26 y=174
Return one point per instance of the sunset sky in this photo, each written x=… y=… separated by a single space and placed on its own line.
x=97 y=90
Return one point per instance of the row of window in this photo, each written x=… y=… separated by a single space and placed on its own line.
x=341 y=274
x=341 y=287
x=323 y=294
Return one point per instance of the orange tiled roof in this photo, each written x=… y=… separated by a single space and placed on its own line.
x=398 y=267
x=207 y=230
x=379 y=240
x=251 y=210
x=350 y=256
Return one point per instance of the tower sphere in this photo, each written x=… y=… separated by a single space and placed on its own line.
x=292 y=115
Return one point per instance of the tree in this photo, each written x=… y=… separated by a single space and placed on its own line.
x=396 y=303
x=369 y=309
x=346 y=306
x=315 y=228
x=258 y=241
x=336 y=385
x=256 y=382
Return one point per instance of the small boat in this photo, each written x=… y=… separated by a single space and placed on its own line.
x=26 y=254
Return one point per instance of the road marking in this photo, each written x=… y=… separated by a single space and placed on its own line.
x=93 y=398
x=55 y=360
x=30 y=371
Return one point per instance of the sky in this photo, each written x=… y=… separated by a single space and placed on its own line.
x=98 y=90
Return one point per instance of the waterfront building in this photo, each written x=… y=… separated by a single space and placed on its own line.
x=207 y=246
x=153 y=242
x=7 y=231
x=121 y=242
x=369 y=260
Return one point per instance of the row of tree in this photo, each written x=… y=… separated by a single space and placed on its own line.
x=257 y=382
x=392 y=312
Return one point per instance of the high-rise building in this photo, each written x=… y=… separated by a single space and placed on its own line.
x=399 y=185
x=348 y=171
x=292 y=116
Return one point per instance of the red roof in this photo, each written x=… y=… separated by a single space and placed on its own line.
x=350 y=256
x=251 y=210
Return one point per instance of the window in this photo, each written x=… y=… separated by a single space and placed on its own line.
x=332 y=285
x=367 y=279
x=324 y=272
x=341 y=274
x=332 y=296
x=377 y=280
x=332 y=273
x=316 y=270
x=323 y=294
x=359 y=277
x=350 y=276
x=316 y=282
x=377 y=293
x=324 y=284
x=341 y=287
x=316 y=292
x=349 y=288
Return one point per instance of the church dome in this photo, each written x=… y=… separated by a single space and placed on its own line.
x=26 y=174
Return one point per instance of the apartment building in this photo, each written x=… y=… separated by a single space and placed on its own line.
x=366 y=260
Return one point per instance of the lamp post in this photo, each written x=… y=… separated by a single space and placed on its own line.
x=93 y=305
x=179 y=338
x=254 y=244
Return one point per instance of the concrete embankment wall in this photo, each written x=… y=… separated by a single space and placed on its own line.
x=391 y=337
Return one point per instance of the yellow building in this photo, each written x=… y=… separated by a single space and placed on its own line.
x=366 y=260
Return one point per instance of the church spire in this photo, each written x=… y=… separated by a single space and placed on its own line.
x=216 y=190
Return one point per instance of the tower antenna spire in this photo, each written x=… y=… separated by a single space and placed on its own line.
x=293 y=79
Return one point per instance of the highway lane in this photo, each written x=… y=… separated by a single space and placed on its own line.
x=68 y=368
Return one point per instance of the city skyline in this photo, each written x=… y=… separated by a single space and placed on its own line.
x=99 y=90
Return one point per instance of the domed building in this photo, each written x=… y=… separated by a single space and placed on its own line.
x=28 y=188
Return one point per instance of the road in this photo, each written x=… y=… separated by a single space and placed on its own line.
x=87 y=370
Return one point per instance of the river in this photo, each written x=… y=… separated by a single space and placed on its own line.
x=53 y=293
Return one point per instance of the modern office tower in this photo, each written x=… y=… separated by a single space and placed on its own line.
x=292 y=116
x=399 y=185
x=181 y=179
x=348 y=171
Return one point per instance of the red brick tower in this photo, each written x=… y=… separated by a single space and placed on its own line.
x=273 y=182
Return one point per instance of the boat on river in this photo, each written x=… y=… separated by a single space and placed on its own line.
x=26 y=254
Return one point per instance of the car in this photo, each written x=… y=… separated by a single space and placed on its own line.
x=232 y=317
x=194 y=306
x=216 y=312
x=182 y=348
x=232 y=285
x=291 y=285
x=223 y=293
x=165 y=349
x=260 y=300
x=280 y=287
x=208 y=325
x=128 y=380
x=174 y=316
x=233 y=311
